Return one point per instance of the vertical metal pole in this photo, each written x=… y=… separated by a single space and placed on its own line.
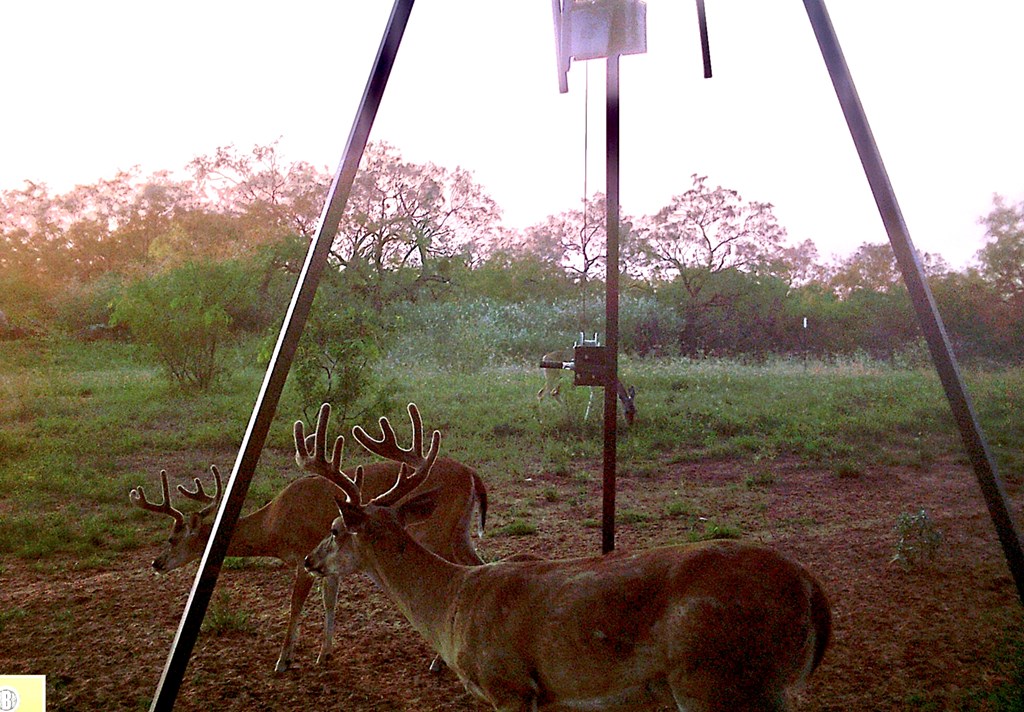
x=705 y=48
x=280 y=363
x=917 y=285
x=611 y=303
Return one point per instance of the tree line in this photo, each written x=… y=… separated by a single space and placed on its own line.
x=708 y=274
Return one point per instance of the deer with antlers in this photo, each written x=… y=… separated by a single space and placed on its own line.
x=715 y=626
x=292 y=524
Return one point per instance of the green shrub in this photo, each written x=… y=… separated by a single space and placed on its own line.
x=917 y=538
x=338 y=357
x=181 y=317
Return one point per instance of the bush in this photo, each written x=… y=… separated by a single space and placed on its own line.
x=181 y=317
x=338 y=355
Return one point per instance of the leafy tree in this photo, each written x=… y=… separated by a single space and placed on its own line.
x=704 y=231
x=271 y=197
x=873 y=267
x=338 y=356
x=700 y=234
x=576 y=242
x=1002 y=258
x=973 y=314
x=403 y=221
x=182 y=317
x=516 y=276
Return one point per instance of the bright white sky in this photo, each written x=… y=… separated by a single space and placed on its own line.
x=93 y=87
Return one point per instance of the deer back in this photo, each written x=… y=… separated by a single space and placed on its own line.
x=715 y=615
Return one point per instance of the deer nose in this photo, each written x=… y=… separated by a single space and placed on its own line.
x=310 y=566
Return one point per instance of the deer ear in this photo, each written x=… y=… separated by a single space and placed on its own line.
x=353 y=516
x=416 y=509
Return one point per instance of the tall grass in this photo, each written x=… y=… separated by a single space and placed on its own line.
x=82 y=423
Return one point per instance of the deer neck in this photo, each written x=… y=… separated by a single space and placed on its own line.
x=421 y=583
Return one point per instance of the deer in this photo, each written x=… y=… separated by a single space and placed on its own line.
x=554 y=362
x=292 y=524
x=712 y=626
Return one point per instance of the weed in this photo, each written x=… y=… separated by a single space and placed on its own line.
x=517 y=527
x=222 y=618
x=14 y=614
x=714 y=530
x=763 y=478
x=679 y=508
x=917 y=538
x=631 y=516
x=848 y=469
x=551 y=494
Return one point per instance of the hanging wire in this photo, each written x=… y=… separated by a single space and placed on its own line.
x=586 y=171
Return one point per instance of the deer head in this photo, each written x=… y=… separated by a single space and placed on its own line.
x=189 y=535
x=334 y=553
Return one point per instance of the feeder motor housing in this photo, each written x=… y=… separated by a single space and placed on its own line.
x=591 y=366
x=592 y=29
x=602 y=28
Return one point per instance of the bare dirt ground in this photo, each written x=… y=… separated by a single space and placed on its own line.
x=903 y=639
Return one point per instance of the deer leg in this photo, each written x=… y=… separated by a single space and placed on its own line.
x=300 y=591
x=330 y=595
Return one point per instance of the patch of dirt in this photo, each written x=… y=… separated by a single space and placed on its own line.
x=902 y=638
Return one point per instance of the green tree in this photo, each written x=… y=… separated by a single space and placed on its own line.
x=702 y=233
x=1002 y=257
x=338 y=357
x=405 y=222
x=270 y=196
x=182 y=317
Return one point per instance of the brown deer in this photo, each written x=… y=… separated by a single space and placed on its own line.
x=293 y=523
x=715 y=626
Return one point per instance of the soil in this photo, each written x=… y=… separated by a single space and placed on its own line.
x=931 y=635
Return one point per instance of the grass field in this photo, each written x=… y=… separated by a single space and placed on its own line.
x=80 y=424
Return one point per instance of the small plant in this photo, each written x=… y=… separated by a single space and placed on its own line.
x=679 y=508
x=12 y=615
x=763 y=478
x=917 y=538
x=714 y=530
x=631 y=516
x=221 y=618
x=517 y=527
x=849 y=469
x=551 y=494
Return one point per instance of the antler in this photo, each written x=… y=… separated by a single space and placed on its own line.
x=311 y=451
x=200 y=494
x=311 y=454
x=137 y=496
x=412 y=459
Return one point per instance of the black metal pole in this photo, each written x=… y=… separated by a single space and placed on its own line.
x=280 y=363
x=705 y=48
x=611 y=302
x=920 y=294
